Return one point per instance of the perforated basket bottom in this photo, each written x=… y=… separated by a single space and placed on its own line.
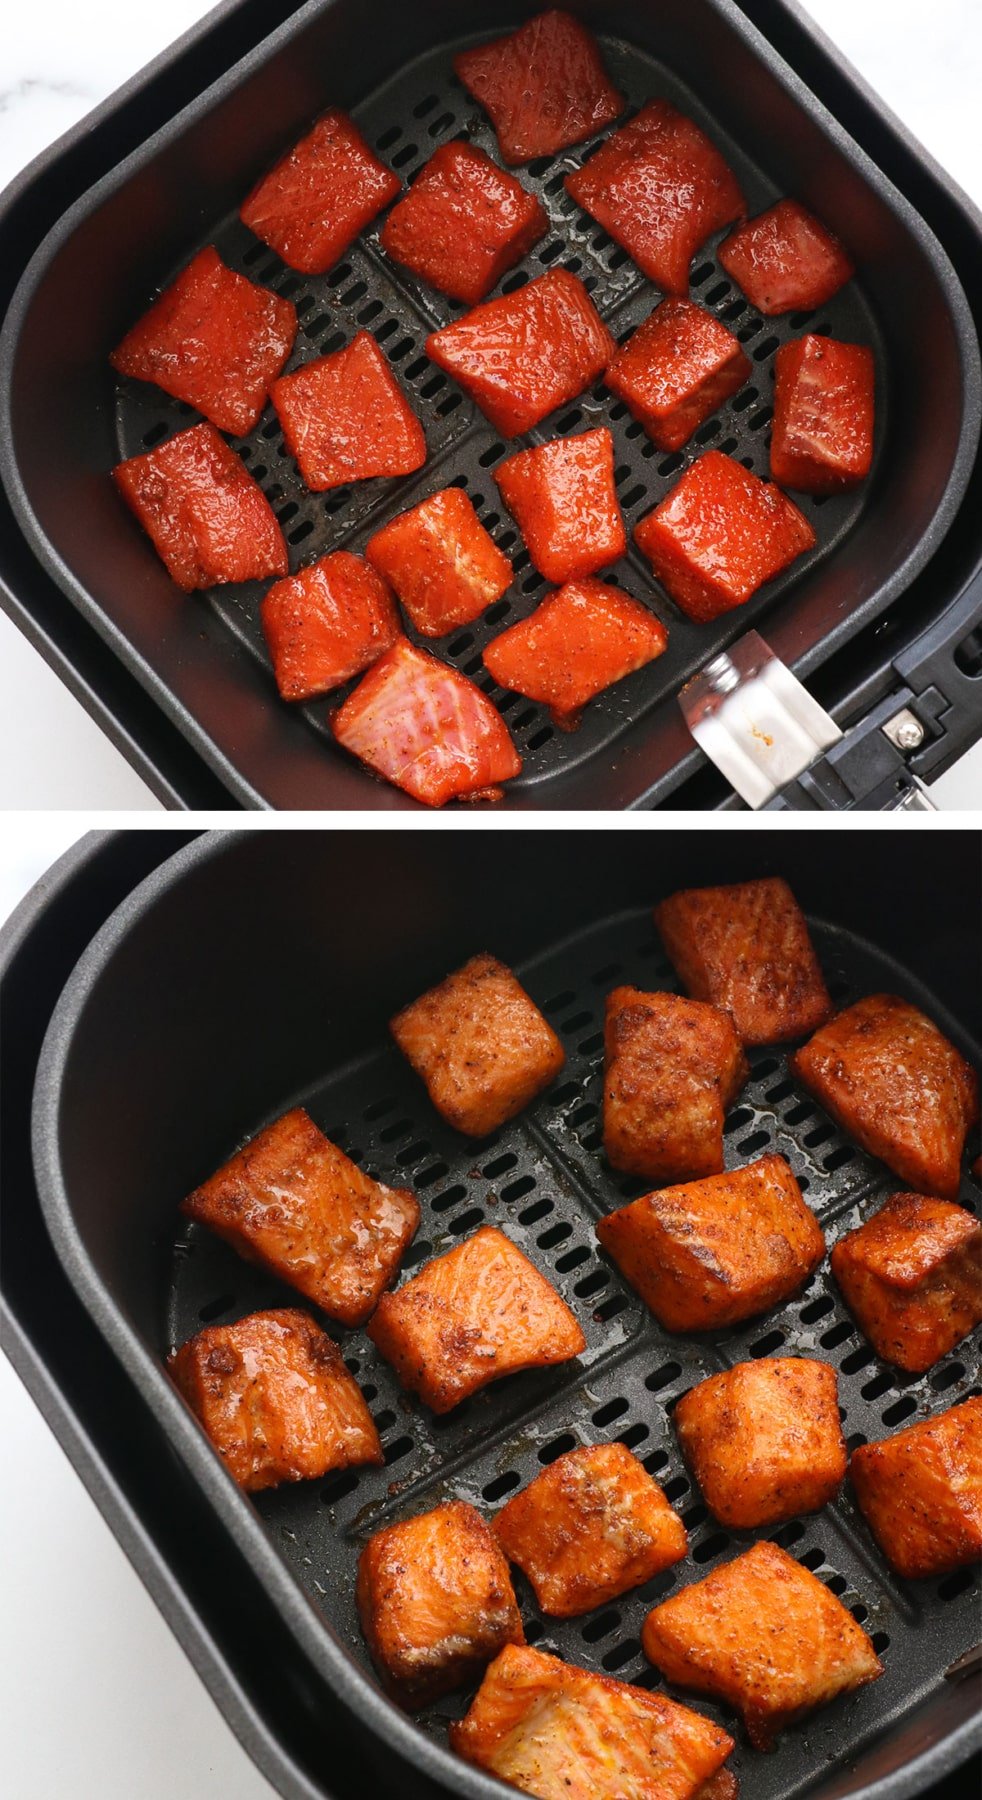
x=544 y=1181
x=406 y=119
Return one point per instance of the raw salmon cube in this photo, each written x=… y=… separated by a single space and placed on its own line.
x=582 y=638
x=316 y=199
x=208 y=520
x=327 y=624
x=746 y=948
x=786 y=260
x=564 y=499
x=213 y=339
x=463 y=223
x=822 y=439
x=442 y=563
x=436 y=1602
x=561 y=1733
x=764 y=1440
x=523 y=354
x=921 y=1492
x=427 y=729
x=719 y=535
x=275 y=1398
x=889 y=1077
x=480 y=1044
x=544 y=86
x=912 y=1275
x=766 y=1636
x=469 y=1317
x=293 y=1202
x=591 y=1526
x=713 y=1252
x=660 y=188
x=345 y=418
x=678 y=367
x=671 y=1069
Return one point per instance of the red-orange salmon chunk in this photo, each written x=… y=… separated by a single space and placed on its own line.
x=660 y=188
x=786 y=260
x=544 y=86
x=327 y=624
x=208 y=520
x=583 y=638
x=677 y=368
x=764 y=1440
x=523 y=354
x=427 y=729
x=822 y=438
x=564 y=498
x=720 y=535
x=313 y=204
x=345 y=418
x=213 y=339
x=913 y=1278
x=672 y=1067
x=921 y=1492
x=463 y=223
x=442 y=563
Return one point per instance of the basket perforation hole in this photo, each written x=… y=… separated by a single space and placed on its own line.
x=557 y=1446
x=514 y=1190
x=662 y=1377
x=434 y=1172
x=621 y=1654
x=613 y=1409
x=439 y=125
x=836 y=1335
x=573 y=1259
x=634 y=1435
x=556 y=1234
x=609 y=1309
x=467 y=1221
x=880 y=1641
x=501 y=1485
x=532 y=1214
x=389 y=137
x=425 y=106
x=710 y=1547
x=946 y=1377
x=766 y=348
x=592 y=1284
x=756 y=1141
x=339 y=1487
x=450 y=1196
x=395 y=1451
x=601 y=1626
x=499 y=1165
x=837 y=1159
x=745 y=398
x=767 y=1345
x=900 y=1409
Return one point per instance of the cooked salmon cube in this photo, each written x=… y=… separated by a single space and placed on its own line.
x=316 y=199
x=746 y=948
x=345 y=418
x=544 y=86
x=785 y=260
x=214 y=340
x=436 y=1602
x=822 y=438
x=442 y=563
x=671 y=1069
x=427 y=728
x=765 y=1635
x=564 y=499
x=209 y=522
x=719 y=535
x=591 y=1526
x=680 y=366
x=463 y=223
x=480 y=1044
x=921 y=1492
x=660 y=187
x=764 y=1440
x=712 y=1252
x=521 y=355
x=293 y=1202
x=582 y=638
x=912 y=1275
x=891 y=1079
x=326 y=624
x=275 y=1398
x=477 y=1313
x=558 y=1732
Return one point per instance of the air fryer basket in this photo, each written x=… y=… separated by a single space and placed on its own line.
x=242 y=978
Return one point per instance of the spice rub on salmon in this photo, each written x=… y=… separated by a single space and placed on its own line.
x=671 y=1069
x=921 y=1492
x=543 y=86
x=912 y=1276
x=318 y=197
x=764 y=1439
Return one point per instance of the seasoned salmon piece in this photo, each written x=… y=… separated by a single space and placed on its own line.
x=822 y=437
x=921 y=1492
x=208 y=521
x=293 y=1202
x=560 y=1733
x=480 y=1044
x=326 y=624
x=345 y=418
x=442 y=563
x=544 y=86
x=463 y=223
x=436 y=1602
x=275 y=1398
x=316 y=199
x=479 y=1312
x=591 y=1526
x=660 y=187
x=912 y=1275
x=214 y=340
x=785 y=260
x=746 y=948
x=679 y=366
x=565 y=501
x=582 y=639
x=521 y=355
x=671 y=1069
x=889 y=1077
x=713 y=1252
x=764 y=1440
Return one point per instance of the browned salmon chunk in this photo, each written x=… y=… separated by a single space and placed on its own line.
x=912 y=1275
x=764 y=1439
x=672 y=1067
x=921 y=1492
